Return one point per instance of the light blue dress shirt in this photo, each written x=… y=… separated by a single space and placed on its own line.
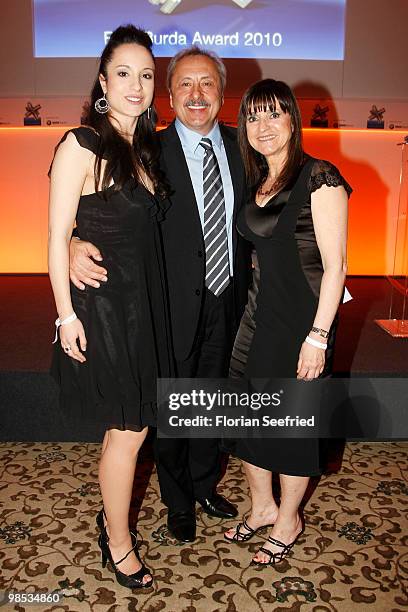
x=194 y=154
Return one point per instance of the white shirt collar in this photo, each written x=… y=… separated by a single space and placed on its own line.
x=191 y=139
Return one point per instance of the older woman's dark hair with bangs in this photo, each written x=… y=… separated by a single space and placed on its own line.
x=263 y=96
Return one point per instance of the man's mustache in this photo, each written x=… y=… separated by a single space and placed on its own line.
x=200 y=102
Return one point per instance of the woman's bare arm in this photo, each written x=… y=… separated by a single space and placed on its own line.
x=69 y=170
x=329 y=211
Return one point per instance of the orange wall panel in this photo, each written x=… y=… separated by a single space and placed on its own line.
x=25 y=155
x=369 y=160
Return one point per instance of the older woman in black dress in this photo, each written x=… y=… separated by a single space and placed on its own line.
x=297 y=222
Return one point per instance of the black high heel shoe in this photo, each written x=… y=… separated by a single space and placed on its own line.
x=100 y=522
x=244 y=536
x=276 y=557
x=131 y=581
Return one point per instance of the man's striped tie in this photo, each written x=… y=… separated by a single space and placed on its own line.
x=217 y=276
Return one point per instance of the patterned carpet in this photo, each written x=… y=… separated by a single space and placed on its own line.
x=352 y=556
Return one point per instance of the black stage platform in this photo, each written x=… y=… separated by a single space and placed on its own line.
x=29 y=397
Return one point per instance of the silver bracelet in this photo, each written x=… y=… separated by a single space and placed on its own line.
x=315 y=343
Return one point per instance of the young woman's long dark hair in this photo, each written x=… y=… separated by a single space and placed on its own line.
x=263 y=96
x=122 y=158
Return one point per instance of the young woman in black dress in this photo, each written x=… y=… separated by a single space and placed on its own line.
x=114 y=341
x=297 y=222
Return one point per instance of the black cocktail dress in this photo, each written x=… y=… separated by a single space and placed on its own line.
x=280 y=315
x=126 y=320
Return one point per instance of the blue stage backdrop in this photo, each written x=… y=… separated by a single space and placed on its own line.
x=270 y=29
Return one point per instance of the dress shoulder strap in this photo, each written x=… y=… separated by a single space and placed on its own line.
x=86 y=137
x=299 y=192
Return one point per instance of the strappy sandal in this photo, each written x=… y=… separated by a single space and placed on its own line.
x=244 y=537
x=131 y=581
x=276 y=557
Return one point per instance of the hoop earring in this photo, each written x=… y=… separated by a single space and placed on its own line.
x=102 y=105
x=149 y=112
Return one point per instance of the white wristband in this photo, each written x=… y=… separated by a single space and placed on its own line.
x=315 y=343
x=58 y=323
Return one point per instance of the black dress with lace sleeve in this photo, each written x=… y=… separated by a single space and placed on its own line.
x=280 y=315
x=325 y=173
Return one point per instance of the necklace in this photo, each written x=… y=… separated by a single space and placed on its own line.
x=261 y=192
x=267 y=192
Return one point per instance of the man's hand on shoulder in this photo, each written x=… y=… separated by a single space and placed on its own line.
x=82 y=269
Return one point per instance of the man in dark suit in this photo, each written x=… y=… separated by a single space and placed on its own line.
x=207 y=266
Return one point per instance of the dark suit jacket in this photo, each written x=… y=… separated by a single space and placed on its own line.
x=184 y=243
